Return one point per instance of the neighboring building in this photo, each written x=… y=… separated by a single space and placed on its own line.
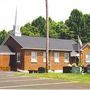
x=5 y=55
x=85 y=54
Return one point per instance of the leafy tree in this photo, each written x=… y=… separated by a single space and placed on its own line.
x=39 y=23
x=80 y=25
x=52 y=29
x=56 y=29
x=3 y=35
x=59 y=30
x=74 y=22
x=86 y=27
x=29 y=30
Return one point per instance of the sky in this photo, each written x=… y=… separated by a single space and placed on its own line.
x=29 y=10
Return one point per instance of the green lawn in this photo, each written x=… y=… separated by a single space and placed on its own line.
x=80 y=78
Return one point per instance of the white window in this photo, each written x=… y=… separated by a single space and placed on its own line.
x=88 y=57
x=33 y=56
x=44 y=56
x=66 y=57
x=18 y=57
x=56 y=57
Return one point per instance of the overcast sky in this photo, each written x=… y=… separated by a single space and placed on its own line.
x=31 y=9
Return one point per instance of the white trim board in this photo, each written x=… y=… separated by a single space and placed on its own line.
x=7 y=53
x=56 y=71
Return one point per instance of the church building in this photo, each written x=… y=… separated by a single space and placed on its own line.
x=20 y=52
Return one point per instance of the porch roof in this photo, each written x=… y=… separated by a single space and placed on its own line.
x=4 y=50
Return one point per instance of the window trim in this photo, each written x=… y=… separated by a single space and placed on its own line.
x=44 y=57
x=66 y=60
x=18 y=57
x=57 y=58
x=87 y=57
x=34 y=60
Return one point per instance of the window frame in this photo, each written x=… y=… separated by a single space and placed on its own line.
x=33 y=56
x=88 y=57
x=18 y=56
x=56 y=59
x=44 y=57
x=66 y=60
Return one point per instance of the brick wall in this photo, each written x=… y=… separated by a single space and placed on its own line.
x=4 y=62
x=28 y=65
x=83 y=54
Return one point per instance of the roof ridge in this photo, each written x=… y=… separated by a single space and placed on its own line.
x=44 y=37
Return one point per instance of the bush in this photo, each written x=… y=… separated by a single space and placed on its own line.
x=67 y=69
x=88 y=69
x=41 y=70
x=5 y=68
x=76 y=69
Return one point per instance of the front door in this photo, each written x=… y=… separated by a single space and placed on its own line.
x=13 y=64
x=18 y=60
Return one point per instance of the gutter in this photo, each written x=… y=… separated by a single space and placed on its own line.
x=45 y=49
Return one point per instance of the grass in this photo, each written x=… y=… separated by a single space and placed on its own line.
x=80 y=78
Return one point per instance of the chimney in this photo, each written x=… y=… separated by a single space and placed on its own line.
x=16 y=27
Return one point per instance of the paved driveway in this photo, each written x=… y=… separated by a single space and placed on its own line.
x=8 y=81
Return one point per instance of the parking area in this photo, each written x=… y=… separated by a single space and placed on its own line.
x=9 y=81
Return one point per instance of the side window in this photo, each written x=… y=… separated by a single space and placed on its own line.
x=33 y=56
x=44 y=56
x=18 y=57
x=66 y=57
x=56 y=57
x=88 y=57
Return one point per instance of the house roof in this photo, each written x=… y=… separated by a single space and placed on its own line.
x=5 y=50
x=28 y=42
x=87 y=44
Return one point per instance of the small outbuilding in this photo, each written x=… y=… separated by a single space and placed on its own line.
x=5 y=55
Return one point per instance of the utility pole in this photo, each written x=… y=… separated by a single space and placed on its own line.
x=47 y=36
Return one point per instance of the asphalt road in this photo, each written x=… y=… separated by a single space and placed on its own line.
x=8 y=81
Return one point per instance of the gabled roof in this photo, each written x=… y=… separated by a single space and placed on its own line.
x=5 y=50
x=28 y=42
x=87 y=44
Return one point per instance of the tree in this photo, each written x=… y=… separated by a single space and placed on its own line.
x=52 y=29
x=74 y=22
x=56 y=29
x=3 y=35
x=80 y=25
x=77 y=24
x=59 y=30
x=86 y=33
x=29 y=30
x=39 y=23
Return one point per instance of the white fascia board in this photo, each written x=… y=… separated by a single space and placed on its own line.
x=6 y=53
x=85 y=45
